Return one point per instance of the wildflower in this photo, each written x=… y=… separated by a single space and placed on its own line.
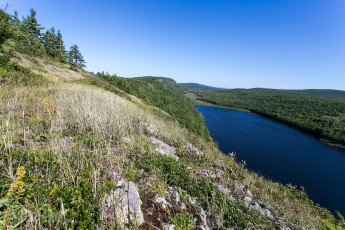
x=17 y=186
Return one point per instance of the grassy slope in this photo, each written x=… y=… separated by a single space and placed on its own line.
x=319 y=112
x=64 y=142
x=164 y=93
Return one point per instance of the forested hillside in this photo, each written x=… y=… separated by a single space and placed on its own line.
x=165 y=94
x=319 y=112
x=198 y=87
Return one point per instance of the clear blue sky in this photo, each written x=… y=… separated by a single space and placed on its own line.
x=226 y=43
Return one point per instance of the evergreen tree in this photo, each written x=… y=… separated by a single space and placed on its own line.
x=61 y=47
x=29 y=36
x=75 y=58
x=5 y=27
x=31 y=23
x=50 y=42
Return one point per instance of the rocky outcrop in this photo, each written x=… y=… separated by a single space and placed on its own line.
x=151 y=129
x=257 y=207
x=163 y=148
x=160 y=208
x=191 y=149
x=123 y=205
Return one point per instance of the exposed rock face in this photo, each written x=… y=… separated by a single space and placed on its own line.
x=191 y=149
x=256 y=206
x=221 y=188
x=203 y=217
x=123 y=205
x=241 y=190
x=151 y=129
x=163 y=148
x=160 y=208
x=168 y=226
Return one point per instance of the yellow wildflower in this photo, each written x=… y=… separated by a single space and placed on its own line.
x=17 y=186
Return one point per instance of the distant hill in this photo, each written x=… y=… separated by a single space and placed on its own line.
x=198 y=87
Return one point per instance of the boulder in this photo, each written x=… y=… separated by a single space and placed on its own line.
x=257 y=207
x=203 y=218
x=193 y=150
x=168 y=226
x=163 y=148
x=124 y=205
x=151 y=129
x=162 y=202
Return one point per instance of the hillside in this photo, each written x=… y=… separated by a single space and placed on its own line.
x=198 y=87
x=165 y=94
x=76 y=152
x=318 y=112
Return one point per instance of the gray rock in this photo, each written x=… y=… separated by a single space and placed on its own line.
x=205 y=173
x=174 y=195
x=151 y=129
x=203 y=218
x=124 y=204
x=163 y=202
x=163 y=148
x=239 y=188
x=193 y=150
x=168 y=226
x=221 y=188
x=257 y=207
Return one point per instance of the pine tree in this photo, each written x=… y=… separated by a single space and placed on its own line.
x=5 y=27
x=50 y=43
x=75 y=58
x=30 y=35
x=61 y=47
x=31 y=23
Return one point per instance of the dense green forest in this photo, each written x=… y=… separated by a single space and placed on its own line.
x=165 y=94
x=319 y=112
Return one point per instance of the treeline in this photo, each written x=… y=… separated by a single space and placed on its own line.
x=319 y=112
x=165 y=94
x=27 y=36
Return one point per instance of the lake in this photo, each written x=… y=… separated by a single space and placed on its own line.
x=281 y=153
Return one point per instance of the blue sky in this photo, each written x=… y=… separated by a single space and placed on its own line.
x=292 y=44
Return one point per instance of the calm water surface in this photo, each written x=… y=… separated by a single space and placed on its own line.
x=281 y=153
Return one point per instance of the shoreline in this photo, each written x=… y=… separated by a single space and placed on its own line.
x=321 y=139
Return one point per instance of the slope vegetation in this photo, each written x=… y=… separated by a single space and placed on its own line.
x=163 y=93
x=70 y=149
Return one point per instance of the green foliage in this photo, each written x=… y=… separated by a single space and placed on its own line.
x=182 y=221
x=165 y=94
x=54 y=45
x=14 y=74
x=176 y=173
x=70 y=203
x=318 y=112
x=26 y=36
x=75 y=58
x=5 y=27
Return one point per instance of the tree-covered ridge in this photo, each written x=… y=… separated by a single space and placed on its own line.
x=198 y=87
x=165 y=94
x=27 y=36
x=319 y=112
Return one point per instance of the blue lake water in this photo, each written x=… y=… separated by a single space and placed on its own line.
x=281 y=153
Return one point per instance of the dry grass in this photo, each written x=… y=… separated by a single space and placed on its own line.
x=53 y=71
